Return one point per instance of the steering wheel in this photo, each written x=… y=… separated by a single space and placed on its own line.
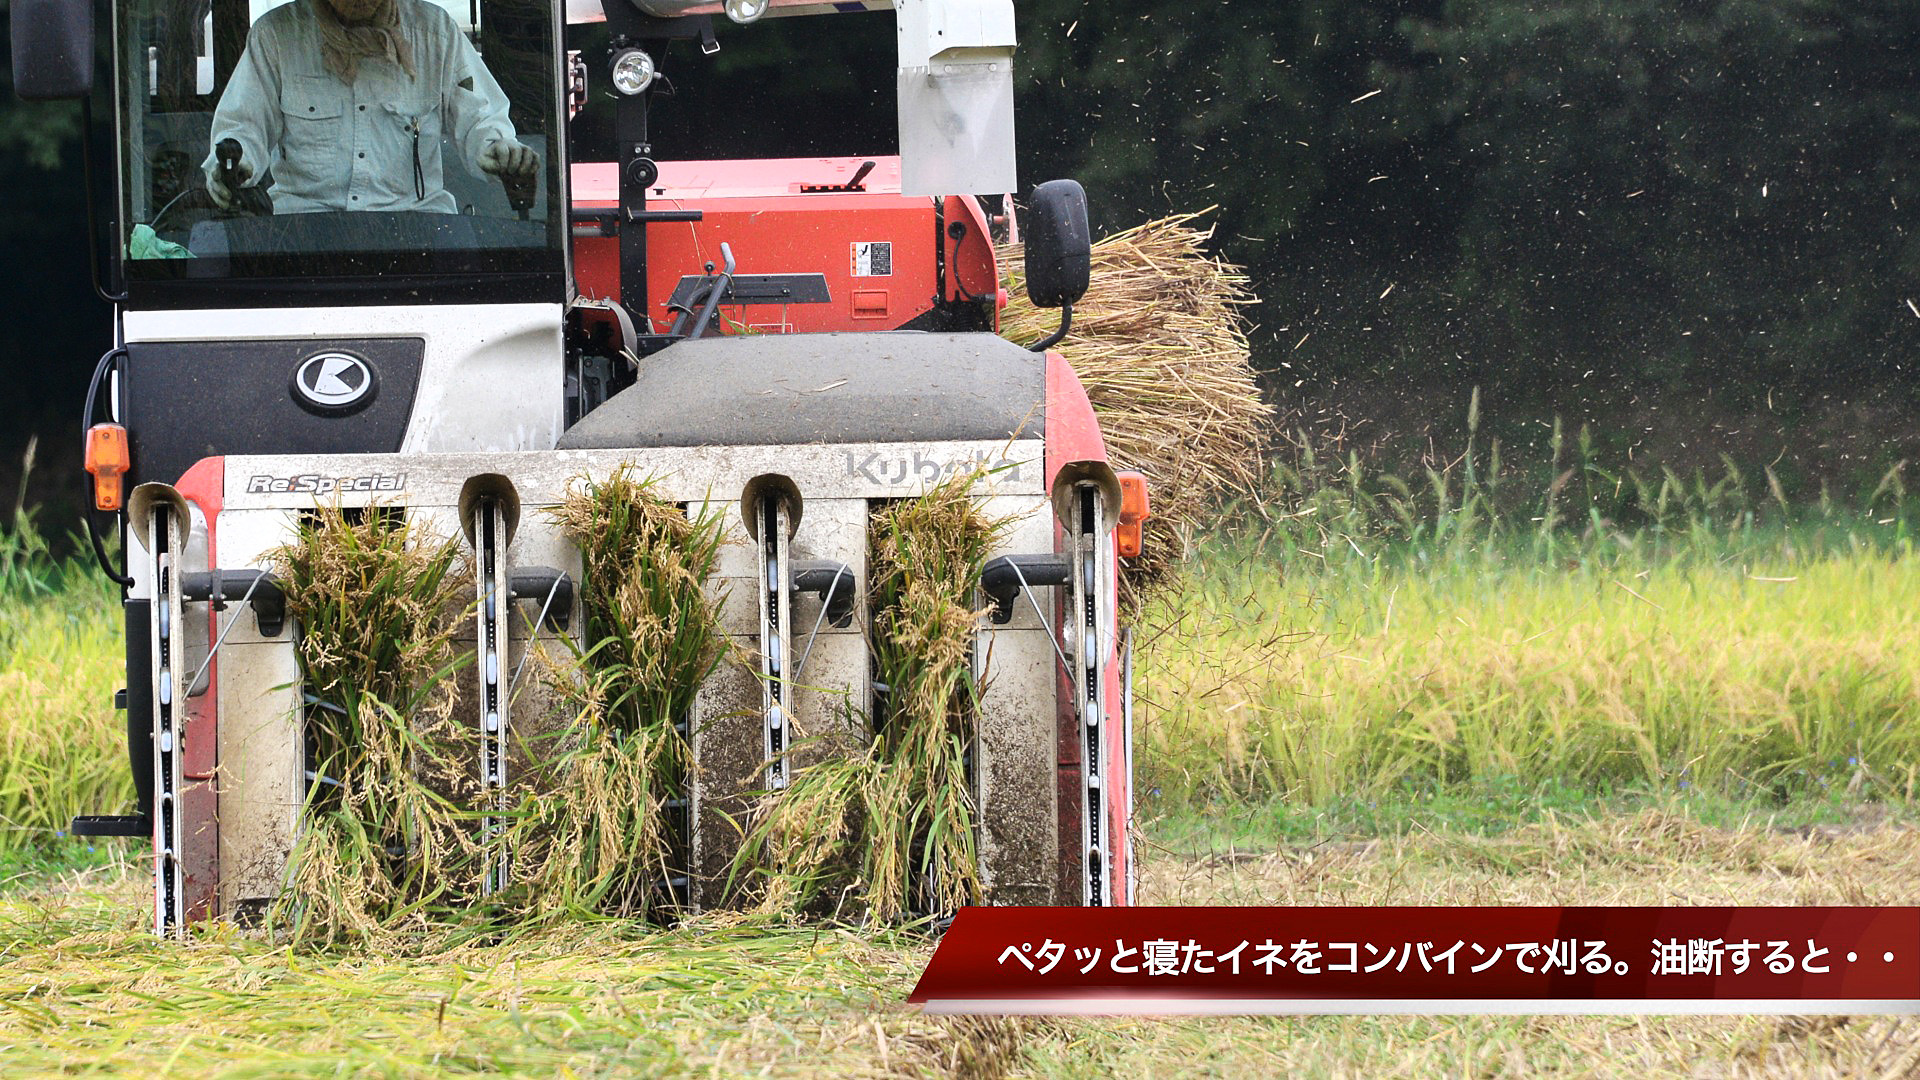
x=247 y=201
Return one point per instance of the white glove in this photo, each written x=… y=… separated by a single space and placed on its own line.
x=218 y=189
x=504 y=157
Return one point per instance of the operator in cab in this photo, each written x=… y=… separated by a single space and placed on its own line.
x=347 y=102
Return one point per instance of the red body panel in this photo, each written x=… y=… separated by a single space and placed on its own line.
x=973 y=270
x=204 y=485
x=774 y=227
x=1073 y=434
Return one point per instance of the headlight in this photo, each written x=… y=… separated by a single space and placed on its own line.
x=632 y=71
x=746 y=11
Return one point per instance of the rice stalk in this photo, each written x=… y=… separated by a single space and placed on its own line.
x=595 y=841
x=895 y=824
x=393 y=850
x=648 y=619
x=598 y=838
x=387 y=836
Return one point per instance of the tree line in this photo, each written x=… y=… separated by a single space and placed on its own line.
x=1602 y=208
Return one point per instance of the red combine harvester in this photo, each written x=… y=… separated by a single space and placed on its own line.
x=304 y=316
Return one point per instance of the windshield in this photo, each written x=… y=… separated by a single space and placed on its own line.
x=318 y=139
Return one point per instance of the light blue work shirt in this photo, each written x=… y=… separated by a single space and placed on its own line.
x=337 y=147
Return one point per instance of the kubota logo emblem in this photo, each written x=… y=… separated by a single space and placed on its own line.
x=333 y=382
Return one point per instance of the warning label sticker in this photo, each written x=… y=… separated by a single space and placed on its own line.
x=873 y=259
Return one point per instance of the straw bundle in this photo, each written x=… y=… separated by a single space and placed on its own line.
x=1160 y=343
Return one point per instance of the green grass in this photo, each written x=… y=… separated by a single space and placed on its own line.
x=1771 y=672
x=28 y=867
x=63 y=746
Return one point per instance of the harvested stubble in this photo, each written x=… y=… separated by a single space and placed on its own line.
x=85 y=989
x=893 y=829
x=392 y=855
x=1160 y=343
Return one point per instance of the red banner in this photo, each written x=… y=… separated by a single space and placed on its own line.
x=1426 y=960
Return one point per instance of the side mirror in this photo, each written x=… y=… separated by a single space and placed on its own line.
x=1059 y=248
x=52 y=49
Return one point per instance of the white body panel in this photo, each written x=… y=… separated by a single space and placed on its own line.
x=491 y=378
x=1019 y=677
x=955 y=84
x=694 y=474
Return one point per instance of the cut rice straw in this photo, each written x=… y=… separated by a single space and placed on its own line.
x=1160 y=344
x=391 y=855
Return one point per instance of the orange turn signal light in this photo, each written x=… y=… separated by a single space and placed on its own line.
x=107 y=461
x=1135 y=509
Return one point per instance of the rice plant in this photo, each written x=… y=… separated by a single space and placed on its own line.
x=393 y=852
x=63 y=746
x=648 y=620
x=389 y=836
x=1596 y=626
x=895 y=824
x=597 y=836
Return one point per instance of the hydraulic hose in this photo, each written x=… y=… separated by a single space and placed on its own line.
x=118 y=577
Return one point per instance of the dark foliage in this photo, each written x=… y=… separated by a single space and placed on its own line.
x=1628 y=211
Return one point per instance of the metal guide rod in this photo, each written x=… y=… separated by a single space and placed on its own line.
x=490 y=531
x=1087 y=601
x=169 y=878
x=776 y=690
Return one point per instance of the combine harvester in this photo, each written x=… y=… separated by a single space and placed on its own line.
x=787 y=343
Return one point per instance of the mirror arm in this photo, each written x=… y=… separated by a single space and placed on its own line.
x=1066 y=324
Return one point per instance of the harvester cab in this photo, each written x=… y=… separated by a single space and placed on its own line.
x=354 y=261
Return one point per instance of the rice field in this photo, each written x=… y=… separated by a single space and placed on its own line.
x=1452 y=705
x=1762 y=672
x=62 y=746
